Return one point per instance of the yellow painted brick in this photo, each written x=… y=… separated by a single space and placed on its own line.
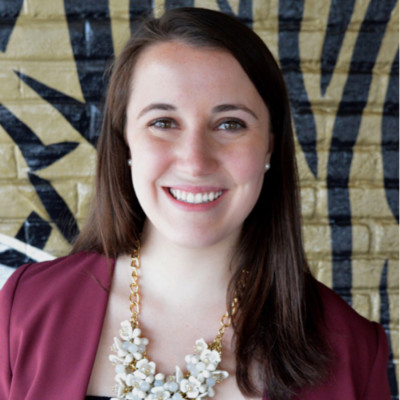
x=362 y=304
x=120 y=24
x=307 y=202
x=325 y=121
x=377 y=93
x=375 y=300
x=57 y=245
x=373 y=303
x=394 y=336
x=39 y=40
x=366 y=202
x=394 y=307
x=59 y=75
x=5 y=137
x=367 y=273
x=305 y=174
x=315 y=16
x=85 y=195
x=329 y=102
x=78 y=164
x=322 y=271
x=386 y=240
x=9 y=81
x=313 y=264
x=120 y=33
x=44 y=9
x=45 y=122
x=119 y=9
x=334 y=96
x=321 y=204
x=19 y=201
x=366 y=167
x=370 y=132
x=11 y=227
x=270 y=38
x=8 y=167
x=267 y=11
x=361 y=239
x=265 y=23
x=311 y=42
x=318 y=239
x=389 y=46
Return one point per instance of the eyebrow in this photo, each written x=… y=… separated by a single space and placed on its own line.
x=233 y=107
x=217 y=109
x=157 y=106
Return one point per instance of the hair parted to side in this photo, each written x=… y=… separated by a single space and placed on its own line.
x=279 y=322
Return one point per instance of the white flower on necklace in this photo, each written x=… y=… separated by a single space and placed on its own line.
x=158 y=393
x=136 y=377
x=145 y=369
x=191 y=387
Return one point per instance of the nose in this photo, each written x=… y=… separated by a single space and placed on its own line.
x=197 y=153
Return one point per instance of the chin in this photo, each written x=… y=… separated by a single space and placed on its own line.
x=195 y=240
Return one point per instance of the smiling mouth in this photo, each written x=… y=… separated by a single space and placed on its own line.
x=195 y=198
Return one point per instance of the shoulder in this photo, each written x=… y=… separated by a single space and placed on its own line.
x=359 y=347
x=68 y=267
x=57 y=279
x=341 y=320
x=69 y=288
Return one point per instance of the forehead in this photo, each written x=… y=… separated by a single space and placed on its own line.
x=181 y=57
x=173 y=67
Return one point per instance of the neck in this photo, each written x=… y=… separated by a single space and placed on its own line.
x=183 y=274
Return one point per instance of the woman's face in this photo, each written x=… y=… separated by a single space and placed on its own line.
x=199 y=138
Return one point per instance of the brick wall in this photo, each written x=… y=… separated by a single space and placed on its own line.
x=340 y=60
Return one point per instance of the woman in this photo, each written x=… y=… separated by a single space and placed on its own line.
x=196 y=176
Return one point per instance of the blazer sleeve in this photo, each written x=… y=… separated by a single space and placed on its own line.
x=377 y=386
x=6 y=302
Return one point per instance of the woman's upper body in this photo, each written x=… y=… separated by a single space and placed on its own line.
x=196 y=162
x=52 y=315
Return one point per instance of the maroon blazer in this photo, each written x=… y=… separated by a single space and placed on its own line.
x=51 y=316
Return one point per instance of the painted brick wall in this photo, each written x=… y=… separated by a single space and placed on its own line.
x=340 y=60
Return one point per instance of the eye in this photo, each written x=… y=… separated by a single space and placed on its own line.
x=163 y=123
x=231 y=125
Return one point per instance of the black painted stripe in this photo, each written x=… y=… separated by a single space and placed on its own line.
x=36 y=154
x=9 y=12
x=339 y=17
x=83 y=117
x=390 y=140
x=290 y=18
x=345 y=133
x=56 y=207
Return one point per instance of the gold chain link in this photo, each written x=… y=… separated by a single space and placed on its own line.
x=134 y=286
x=225 y=322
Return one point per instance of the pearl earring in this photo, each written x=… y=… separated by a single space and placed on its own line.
x=130 y=162
x=267 y=167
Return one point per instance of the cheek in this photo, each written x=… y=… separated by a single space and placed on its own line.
x=248 y=164
x=149 y=161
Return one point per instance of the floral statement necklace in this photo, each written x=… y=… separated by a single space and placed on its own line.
x=136 y=377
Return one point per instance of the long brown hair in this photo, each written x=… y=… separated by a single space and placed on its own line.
x=279 y=322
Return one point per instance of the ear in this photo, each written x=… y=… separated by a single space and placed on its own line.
x=270 y=148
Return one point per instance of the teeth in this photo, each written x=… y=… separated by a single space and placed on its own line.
x=195 y=198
